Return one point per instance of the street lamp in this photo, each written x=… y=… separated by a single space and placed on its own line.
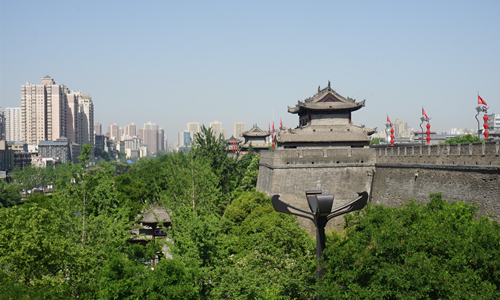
x=480 y=109
x=321 y=212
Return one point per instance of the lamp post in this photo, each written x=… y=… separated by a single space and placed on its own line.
x=388 y=127
x=421 y=129
x=480 y=109
x=321 y=212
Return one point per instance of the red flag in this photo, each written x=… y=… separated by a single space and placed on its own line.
x=281 y=125
x=480 y=100
x=389 y=120
x=269 y=128
x=424 y=114
x=273 y=126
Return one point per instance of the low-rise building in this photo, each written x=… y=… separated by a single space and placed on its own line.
x=17 y=146
x=62 y=150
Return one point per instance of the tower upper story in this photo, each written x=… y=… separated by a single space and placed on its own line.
x=325 y=120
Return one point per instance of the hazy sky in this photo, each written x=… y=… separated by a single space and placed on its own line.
x=185 y=61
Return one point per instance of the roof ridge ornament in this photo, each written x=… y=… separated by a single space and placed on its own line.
x=328 y=83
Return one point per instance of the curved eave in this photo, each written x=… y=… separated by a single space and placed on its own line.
x=326 y=106
x=264 y=134
x=302 y=109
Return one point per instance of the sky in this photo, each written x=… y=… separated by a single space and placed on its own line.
x=173 y=62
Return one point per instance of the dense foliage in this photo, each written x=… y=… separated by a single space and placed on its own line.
x=75 y=241
x=376 y=141
x=463 y=139
x=226 y=240
x=433 y=251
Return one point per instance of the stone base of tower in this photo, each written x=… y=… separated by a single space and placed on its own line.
x=338 y=171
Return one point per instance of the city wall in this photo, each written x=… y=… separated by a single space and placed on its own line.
x=290 y=172
x=393 y=175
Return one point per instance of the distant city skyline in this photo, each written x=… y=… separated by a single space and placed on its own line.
x=229 y=67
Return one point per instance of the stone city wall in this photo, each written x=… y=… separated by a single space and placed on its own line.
x=342 y=172
x=396 y=183
x=391 y=176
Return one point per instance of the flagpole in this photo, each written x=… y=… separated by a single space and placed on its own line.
x=478 y=109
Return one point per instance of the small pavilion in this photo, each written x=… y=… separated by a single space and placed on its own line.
x=257 y=138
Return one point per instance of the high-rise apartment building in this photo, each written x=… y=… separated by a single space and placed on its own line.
x=400 y=129
x=113 y=132
x=494 y=121
x=193 y=127
x=2 y=126
x=181 y=139
x=13 y=124
x=72 y=116
x=50 y=111
x=217 y=129
x=43 y=111
x=80 y=118
x=151 y=137
x=140 y=133
x=186 y=138
x=98 y=129
x=238 y=129
x=161 y=139
x=130 y=130
x=85 y=120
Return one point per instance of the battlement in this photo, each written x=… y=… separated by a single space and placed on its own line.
x=317 y=156
x=456 y=154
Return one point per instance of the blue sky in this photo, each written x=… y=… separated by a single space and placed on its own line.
x=186 y=61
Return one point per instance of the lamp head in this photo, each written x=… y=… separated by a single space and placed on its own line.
x=325 y=203
x=312 y=200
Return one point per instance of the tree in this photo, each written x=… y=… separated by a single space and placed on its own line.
x=376 y=141
x=35 y=253
x=122 y=156
x=10 y=194
x=433 y=251
x=462 y=139
x=102 y=154
x=213 y=149
x=264 y=254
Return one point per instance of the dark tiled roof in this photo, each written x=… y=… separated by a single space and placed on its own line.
x=255 y=131
x=155 y=215
x=233 y=139
x=327 y=100
x=52 y=143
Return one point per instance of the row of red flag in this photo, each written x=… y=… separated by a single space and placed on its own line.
x=281 y=126
x=479 y=101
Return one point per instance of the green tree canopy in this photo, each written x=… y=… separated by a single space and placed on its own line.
x=462 y=139
x=433 y=251
x=376 y=141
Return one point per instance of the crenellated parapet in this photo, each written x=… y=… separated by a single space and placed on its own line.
x=454 y=154
x=317 y=157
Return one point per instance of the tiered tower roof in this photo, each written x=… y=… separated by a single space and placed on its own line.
x=327 y=100
x=325 y=121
